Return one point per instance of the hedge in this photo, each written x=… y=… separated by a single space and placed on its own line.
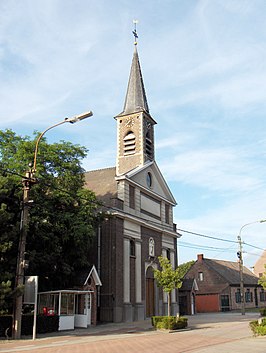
x=262 y=311
x=169 y=322
x=5 y=323
x=45 y=324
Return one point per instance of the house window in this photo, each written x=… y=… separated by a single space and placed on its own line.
x=248 y=296
x=200 y=276
x=132 y=248
x=129 y=143
x=168 y=254
x=262 y=296
x=167 y=218
x=131 y=196
x=238 y=296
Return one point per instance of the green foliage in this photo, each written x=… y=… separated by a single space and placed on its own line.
x=167 y=277
x=262 y=279
x=185 y=267
x=62 y=217
x=169 y=322
x=5 y=325
x=5 y=290
x=258 y=327
x=44 y=324
x=262 y=311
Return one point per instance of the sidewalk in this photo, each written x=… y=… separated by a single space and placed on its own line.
x=219 y=332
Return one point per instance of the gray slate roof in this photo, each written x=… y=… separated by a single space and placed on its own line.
x=136 y=100
x=229 y=270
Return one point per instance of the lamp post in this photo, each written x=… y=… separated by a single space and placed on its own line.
x=240 y=256
x=27 y=182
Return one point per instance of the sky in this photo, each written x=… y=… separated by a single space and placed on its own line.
x=204 y=69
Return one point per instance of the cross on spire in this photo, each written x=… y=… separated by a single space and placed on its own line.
x=135 y=31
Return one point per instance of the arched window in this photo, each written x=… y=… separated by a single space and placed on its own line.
x=129 y=143
x=132 y=248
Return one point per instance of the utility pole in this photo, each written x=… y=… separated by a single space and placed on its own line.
x=240 y=256
x=27 y=182
x=242 y=293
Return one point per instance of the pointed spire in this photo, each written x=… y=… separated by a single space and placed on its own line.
x=136 y=100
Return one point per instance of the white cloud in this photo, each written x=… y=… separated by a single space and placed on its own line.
x=221 y=170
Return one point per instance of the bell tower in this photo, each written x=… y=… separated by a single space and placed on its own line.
x=135 y=126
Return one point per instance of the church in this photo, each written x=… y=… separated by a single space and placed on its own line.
x=139 y=224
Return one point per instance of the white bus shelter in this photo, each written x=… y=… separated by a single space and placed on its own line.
x=72 y=306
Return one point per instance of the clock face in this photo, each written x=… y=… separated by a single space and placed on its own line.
x=129 y=122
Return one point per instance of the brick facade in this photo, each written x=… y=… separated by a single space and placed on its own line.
x=137 y=199
x=219 y=286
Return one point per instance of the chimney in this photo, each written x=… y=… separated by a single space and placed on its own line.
x=200 y=257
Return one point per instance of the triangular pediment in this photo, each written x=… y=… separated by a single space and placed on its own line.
x=93 y=274
x=150 y=178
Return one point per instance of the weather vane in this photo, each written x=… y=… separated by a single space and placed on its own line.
x=135 y=31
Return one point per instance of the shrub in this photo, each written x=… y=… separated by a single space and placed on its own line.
x=169 y=322
x=258 y=327
x=5 y=323
x=44 y=324
x=262 y=311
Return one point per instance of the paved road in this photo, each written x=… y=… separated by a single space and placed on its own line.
x=208 y=333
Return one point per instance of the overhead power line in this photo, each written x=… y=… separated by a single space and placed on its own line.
x=202 y=247
x=115 y=209
x=207 y=236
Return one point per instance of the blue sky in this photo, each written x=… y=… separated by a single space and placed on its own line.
x=204 y=69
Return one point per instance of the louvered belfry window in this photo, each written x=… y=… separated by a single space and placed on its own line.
x=129 y=143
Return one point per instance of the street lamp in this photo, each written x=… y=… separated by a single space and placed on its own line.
x=27 y=182
x=240 y=256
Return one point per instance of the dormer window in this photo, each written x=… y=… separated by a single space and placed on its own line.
x=129 y=143
x=200 y=276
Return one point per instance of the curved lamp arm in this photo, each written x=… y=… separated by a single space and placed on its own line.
x=71 y=120
x=247 y=224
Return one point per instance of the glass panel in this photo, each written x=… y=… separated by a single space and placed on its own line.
x=63 y=304
x=70 y=307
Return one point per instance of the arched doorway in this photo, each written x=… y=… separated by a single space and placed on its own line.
x=150 y=295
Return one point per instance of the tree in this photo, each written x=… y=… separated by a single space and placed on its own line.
x=63 y=214
x=168 y=278
x=262 y=279
x=186 y=266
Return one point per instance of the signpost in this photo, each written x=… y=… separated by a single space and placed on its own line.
x=30 y=297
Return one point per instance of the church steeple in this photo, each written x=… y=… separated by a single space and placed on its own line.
x=135 y=126
x=136 y=100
